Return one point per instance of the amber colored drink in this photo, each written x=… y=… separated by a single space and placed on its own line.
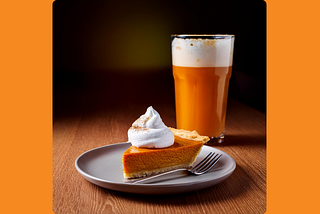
x=201 y=95
x=202 y=67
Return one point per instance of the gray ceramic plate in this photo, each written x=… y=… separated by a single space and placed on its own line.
x=103 y=167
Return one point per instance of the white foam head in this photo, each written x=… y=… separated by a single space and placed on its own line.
x=202 y=52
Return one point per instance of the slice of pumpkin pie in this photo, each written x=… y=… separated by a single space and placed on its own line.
x=157 y=148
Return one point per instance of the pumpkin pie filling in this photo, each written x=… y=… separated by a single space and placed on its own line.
x=140 y=162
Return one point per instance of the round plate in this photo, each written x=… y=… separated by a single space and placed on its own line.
x=103 y=166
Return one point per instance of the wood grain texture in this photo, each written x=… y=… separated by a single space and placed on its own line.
x=107 y=123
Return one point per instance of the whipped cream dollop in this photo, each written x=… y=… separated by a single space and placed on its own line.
x=148 y=131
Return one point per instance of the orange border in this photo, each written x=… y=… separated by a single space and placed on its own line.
x=292 y=106
x=26 y=106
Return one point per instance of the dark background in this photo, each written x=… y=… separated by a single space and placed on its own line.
x=119 y=52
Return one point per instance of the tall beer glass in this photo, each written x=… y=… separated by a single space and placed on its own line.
x=202 y=67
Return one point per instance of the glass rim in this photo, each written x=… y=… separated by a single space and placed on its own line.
x=186 y=36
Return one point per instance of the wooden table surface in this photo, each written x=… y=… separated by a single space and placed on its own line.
x=100 y=120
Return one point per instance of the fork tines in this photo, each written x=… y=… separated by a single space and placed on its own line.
x=206 y=164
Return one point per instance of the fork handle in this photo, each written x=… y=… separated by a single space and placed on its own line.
x=139 y=180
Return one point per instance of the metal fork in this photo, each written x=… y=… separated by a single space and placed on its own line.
x=202 y=167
